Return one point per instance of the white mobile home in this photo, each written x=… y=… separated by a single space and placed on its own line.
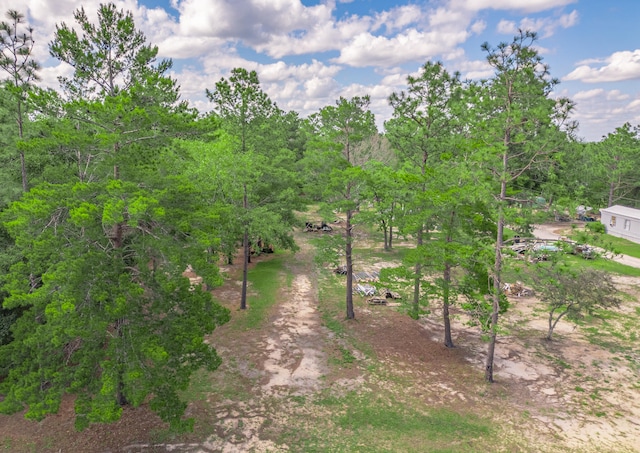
x=622 y=222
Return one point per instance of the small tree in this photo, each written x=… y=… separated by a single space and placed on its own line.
x=522 y=126
x=262 y=165
x=338 y=133
x=574 y=293
x=421 y=129
x=16 y=60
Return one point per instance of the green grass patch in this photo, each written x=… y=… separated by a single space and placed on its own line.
x=365 y=423
x=265 y=280
x=346 y=357
x=234 y=386
x=521 y=271
x=379 y=254
x=332 y=302
x=620 y=245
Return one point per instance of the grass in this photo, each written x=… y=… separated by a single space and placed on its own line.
x=519 y=270
x=265 y=280
x=381 y=419
x=378 y=418
x=397 y=253
x=620 y=245
x=604 y=264
x=373 y=423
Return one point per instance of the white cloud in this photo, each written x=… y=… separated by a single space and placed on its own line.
x=397 y=18
x=478 y=27
x=319 y=88
x=507 y=27
x=545 y=26
x=590 y=94
x=322 y=37
x=624 y=65
x=617 y=95
x=527 y=6
x=601 y=111
x=445 y=17
x=250 y=21
x=412 y=45
x=185 y=47
x=282 y=71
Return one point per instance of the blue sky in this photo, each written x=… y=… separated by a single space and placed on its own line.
x=309 y=53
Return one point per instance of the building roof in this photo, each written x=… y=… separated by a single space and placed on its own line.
x=623 y=211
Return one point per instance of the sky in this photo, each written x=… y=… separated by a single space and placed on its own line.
x=309 y=53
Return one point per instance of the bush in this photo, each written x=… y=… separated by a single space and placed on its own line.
x=596 y=227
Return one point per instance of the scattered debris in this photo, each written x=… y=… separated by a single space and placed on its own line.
x=583 y=214
x=365 y=290
x=388 y=294
x=309 y=226
x=562 y=217
x=194 y=279
x=340 y=270
x=516 y=289
x=366 y=276
x=377 y=300
x=586 y=251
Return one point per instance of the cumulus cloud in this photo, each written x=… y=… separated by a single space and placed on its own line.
x=294 y=40
x=412 y=45
x=507 y=27
x=251 y=21
x=478 y=27
x=589 y=94
x=623 y=65
x=600 y=111
x=545 y=26
x=322 y=37
x=397 y=18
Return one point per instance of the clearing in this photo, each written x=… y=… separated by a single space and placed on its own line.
x=306 y=379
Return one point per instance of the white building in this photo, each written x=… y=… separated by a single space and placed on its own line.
x=622 y=222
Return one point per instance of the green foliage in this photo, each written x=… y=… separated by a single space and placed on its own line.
x=594 y=236
x=96 y=271
x=263 y=188
x=608 y=170
x=127 y=327
x=596 y=227
x=16 y=59
x=107 y=58
x=334 y=162
x=571 y=293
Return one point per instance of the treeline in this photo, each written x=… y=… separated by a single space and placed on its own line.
x=113 y=186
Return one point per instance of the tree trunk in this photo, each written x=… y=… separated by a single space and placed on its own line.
x=245 y=260
x=349 y=258
x=446 y=276
x=552 y=323
x=448 y=341
x=417 y=278
x=23 y=169
x=23 y=165
x=391 y=226
x=611 y=194
x=551 y=326
x=497 y=270
x=386 y=236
